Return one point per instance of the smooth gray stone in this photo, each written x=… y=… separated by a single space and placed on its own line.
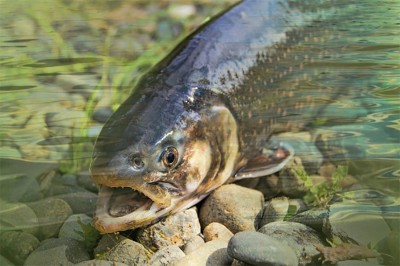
x=166 y=256
x=258 y=249
x=17 y=246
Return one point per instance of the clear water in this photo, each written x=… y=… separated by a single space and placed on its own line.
x=50 y=48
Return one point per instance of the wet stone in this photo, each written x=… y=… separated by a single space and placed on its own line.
x=57 y=251
x=82 y=84
x=176 y=229
x=300 y=238
x=202 y=255
x=51 y=215
x=85 y=181
x=20 y=188
x=18 y=217
x=17 y=246
x=5 y=262
x=217 y=231
x=106 y=243
x=362 y=223
x=314 y=218
x=258 y=249
x=290 y=183
x=65 y=122
x=274 y=210
x=100 y=263
x=79 y=227
x=80 y=202
x=128 y=252
x=193 y=244
x=101 y=114
x=237 y=213
x=166 y=256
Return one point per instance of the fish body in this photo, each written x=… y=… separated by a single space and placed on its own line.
x=203 y=115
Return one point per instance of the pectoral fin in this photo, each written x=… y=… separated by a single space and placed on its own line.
x=269 y=161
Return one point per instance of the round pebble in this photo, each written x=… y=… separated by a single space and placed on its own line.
x=258 y=249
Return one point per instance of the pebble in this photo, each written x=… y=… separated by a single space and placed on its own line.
x=274 y=210
x=57 y=251
x=51 y=215
x=258 y=249
x=82 y=84
x=5 y=262
x=193 y=244
x=176 y=229
x=80 y=202
x=362 y=223
x=300 y=238
x=166 y=256
x=181 y=11
x=202 y=255
x=128 y=252
x=217 y=231
x=18 y=217
x=234 y=206
x=106 y=243
x=102 y=114
x=100 y=263
x=79 y=227
x=290 y=183
x=17 y=245
x=269 y=186
x=85 y=181
x=65 y=122
x=22 y=188
x=314 y=218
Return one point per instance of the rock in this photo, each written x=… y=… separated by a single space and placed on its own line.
x=217 y=231
x=18 y=217
x=5 y=262
x=219 y=257
x=390 y=245
x=79 y=227
x=100 y=263
x=51 y=215
x=290 y=183
x=269 y=185
x=202 y=254
x=17 y=245
x=85 y=180
x=57 y=251
x=166 y=256
x=22 y=188
x=106 y=243
x=80 y=202
x=237 y=213
x=176 y=229
x=300 y=238
x=101 y=114
x=193 y=244
x=258 y=249
x=128 y=252
x=362 y=223
x=371 y=262
x=314 y=218
x=181 y=11
x=274 y=210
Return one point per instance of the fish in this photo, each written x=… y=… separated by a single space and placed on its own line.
x=204 y=115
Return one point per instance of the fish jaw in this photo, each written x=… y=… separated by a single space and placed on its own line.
x=121 y=208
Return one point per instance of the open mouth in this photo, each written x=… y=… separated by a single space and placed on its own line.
x=123 y=208
x=124 y=201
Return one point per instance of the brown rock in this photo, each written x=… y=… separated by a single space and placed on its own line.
x=217 y=231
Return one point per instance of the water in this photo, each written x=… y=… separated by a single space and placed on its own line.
x=60 y=59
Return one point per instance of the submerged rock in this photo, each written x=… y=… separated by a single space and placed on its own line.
x=234 y=206
x=300 y=238
x=57 y=251
x=128 y=252
x=217 y=231
x=274 y=210
x=193 y=244
x=17 y=245
x=18 y=217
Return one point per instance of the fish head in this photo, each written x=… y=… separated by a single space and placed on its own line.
x=149 y=165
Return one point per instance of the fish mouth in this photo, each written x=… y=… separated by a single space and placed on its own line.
x=124 y=208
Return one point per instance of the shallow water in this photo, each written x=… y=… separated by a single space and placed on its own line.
x=61 y=59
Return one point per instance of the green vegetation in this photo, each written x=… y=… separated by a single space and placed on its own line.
x=321 y=194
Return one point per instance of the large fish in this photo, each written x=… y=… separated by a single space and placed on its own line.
x=204 y=115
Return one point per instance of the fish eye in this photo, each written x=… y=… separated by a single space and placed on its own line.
x=137 y=162
x=170 y=157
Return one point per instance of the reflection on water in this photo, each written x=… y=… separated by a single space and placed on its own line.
x=61 y=64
